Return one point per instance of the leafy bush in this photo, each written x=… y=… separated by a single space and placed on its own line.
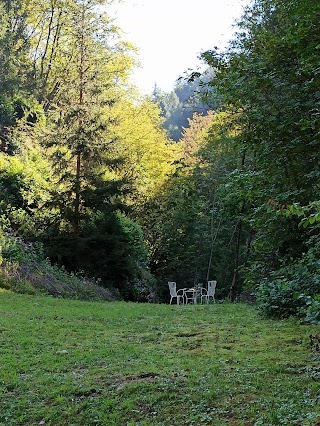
x=145 y=286
x=312 y=312
x=294 y=290
x=109 y=246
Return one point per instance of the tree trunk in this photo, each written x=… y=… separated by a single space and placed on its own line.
x=77 y=197
x=78 y=166
x=234 y=288
x=235 y=279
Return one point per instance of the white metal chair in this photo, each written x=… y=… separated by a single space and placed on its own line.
x=202 y=294
x=174 y=293
x=210 y=292
x=199 y=292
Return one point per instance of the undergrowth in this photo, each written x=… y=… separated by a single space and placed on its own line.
x=24 y=269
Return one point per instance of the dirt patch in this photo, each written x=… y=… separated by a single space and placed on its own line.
x=135 y=378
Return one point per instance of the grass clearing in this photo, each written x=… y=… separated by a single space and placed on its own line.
x=80 y=363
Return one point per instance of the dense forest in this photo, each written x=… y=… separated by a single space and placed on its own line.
x=218 y=179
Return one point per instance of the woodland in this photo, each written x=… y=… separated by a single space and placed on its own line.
x=217 y=180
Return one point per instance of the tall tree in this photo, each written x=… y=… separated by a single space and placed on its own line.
x=80 y=70
x=13 y=46
x=148 y=155
x=269 y=77
x=83 y=123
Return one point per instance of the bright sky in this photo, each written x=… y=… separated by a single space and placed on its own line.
x=170 y=34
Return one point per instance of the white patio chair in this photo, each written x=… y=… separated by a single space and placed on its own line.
x=202 y=294
x=210 y=292
x=174 y=293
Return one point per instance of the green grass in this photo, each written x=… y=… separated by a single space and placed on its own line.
x=65 y=363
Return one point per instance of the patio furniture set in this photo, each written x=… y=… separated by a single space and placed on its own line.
x=197 y=294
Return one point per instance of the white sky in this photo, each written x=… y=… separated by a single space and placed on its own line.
x=170 y=34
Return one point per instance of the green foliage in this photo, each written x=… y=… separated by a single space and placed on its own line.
x=17 y=111
x=230 y=201
x=24 y=181
x=267 y=80
x=147 y=154
x=13 y=47
x=182 y=222
x=135 y=237
x=59 y=165
x=144 y=287
x=7 y=113
x=109 y=247
x=25 y=270
x=2 y=241
x=312 y=311
x=295 y=289
x=180 y=233
x=309 y=214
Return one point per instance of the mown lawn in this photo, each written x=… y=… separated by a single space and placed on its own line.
x=73 y=363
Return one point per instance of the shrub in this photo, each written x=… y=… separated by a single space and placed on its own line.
x=312 y=311
x=145 y=286
x=25 y=270
x=294 y=290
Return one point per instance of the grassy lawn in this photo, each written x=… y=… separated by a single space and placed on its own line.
x=65 y=363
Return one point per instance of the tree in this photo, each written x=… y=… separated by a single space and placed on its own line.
x=82 y=128
x=148 y=155
x=182 y=221
x=13 y=46
x=268 y=77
